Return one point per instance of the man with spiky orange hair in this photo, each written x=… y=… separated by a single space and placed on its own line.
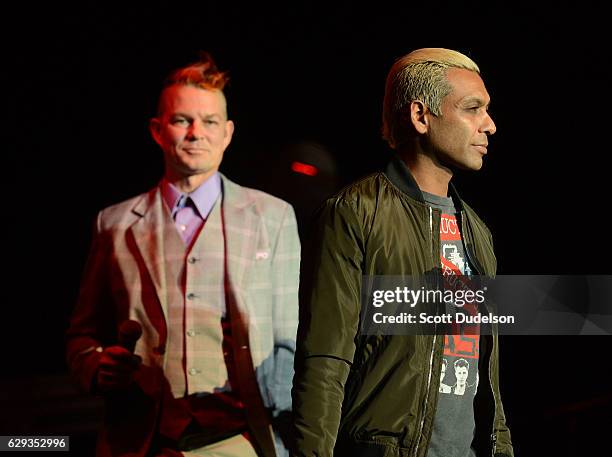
x=209 y=270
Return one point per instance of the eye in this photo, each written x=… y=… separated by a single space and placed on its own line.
x=210 y=122
x=180 y=121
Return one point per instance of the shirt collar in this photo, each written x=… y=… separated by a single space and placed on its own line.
x=204 y=196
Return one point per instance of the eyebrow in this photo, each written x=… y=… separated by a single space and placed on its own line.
x=471 y=99
x=206 y=116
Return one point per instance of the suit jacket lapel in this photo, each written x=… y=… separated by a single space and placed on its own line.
x=247 y=238
x=149 y=235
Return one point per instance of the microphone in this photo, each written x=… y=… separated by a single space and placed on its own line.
x=129 y=332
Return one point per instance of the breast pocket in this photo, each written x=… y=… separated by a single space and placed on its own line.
x=258 y=273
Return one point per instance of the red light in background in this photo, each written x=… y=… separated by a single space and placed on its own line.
x=304 y=168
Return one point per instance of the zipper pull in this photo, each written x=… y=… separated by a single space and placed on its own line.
x=493 y=444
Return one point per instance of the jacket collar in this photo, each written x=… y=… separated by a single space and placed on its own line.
x=234 y=196
x=399 y=174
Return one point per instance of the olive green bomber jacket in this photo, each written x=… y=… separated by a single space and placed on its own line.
x=376 y=395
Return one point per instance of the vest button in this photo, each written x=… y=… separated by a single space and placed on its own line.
x=191 y=332
x=192 y=260
x=191 y=296
x=193 y=371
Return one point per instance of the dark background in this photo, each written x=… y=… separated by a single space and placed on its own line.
x=83 y=83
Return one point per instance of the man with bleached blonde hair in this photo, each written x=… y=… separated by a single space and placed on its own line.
x=380 y=394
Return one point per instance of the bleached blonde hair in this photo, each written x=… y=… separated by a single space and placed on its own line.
x=419 y=75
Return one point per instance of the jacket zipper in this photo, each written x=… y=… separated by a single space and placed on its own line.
x=493 y=434
x=471 y=259
x=469 y=255
x=433 y=347
x=493 y=443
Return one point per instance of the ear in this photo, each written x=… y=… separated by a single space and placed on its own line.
x=419 y=119
x=229 y=131
x=154 y=128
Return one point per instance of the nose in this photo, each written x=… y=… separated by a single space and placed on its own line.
x=196 y=130
x=488 y=126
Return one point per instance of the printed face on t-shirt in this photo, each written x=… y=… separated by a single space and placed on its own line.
x=461 y=373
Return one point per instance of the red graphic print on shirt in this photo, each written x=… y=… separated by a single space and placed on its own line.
x=461 y=346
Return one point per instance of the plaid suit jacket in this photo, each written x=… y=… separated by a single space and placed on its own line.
x=125 y=278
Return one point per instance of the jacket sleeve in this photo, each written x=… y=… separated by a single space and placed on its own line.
x=92 y=320
x=329 y=321
x=285 y=284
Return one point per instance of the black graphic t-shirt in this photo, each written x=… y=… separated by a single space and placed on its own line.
x=454 y=425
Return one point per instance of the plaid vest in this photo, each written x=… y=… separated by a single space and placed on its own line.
x=196 y=303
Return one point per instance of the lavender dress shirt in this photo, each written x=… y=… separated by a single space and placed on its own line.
x=189 y=211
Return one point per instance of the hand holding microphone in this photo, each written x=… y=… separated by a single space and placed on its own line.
x=118 y=363
x=129 y=332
